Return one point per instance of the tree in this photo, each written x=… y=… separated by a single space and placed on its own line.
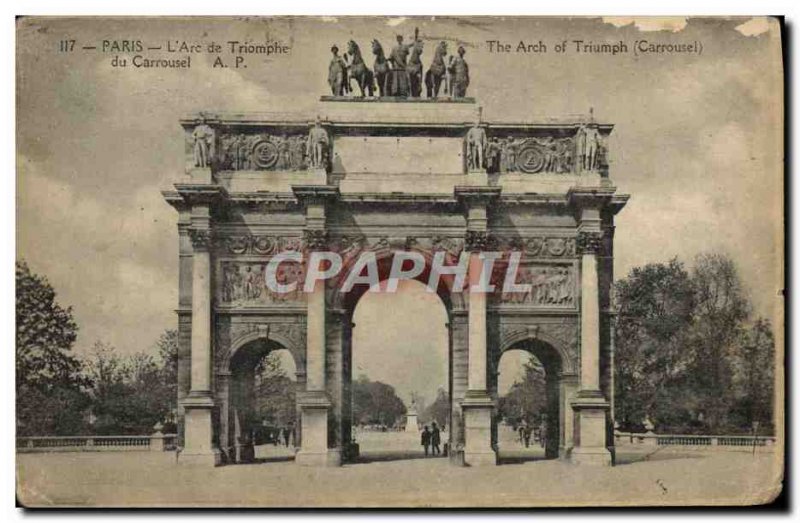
x=439 y=410
x=685 y=354
x=527 y=397
x=376 y=403
x=754 y=375
x=50 y=396
x=720 y=311
x=655 y=307
x=275 y=392
x=129 y=394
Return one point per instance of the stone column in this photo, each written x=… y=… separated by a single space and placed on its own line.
x=315 y=403
x=199 y=445
x=590 y=405
x=459 y=372
x=569 y=385
x=477 y=405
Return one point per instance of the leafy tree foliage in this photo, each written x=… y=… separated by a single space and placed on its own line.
x=130 y=394
x=527 y=398
x=754 y=375
x=654 y=317
x=718 y=325
x=376 y=403
x=50 y=396
x=275 y=392
x=687 y=357
x=439 y=410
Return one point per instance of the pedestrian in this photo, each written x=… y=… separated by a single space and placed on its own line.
x=543 y=432
x=436 y=439
x=426 y=439
x=521 y=432
x=286 y=436
x=527 y=435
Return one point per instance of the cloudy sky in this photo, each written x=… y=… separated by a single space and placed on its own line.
x=697 y=142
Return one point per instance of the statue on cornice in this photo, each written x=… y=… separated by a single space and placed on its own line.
x=317 y=146
x=202 y=136
x=476 y=147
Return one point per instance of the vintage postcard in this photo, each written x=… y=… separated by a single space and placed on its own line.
x=399 y=261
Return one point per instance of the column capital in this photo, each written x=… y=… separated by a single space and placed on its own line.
x=589 y=242
x=315 y=239
x=475 y=241
x=201 y=238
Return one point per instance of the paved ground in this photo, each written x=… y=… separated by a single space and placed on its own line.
x=393 y=472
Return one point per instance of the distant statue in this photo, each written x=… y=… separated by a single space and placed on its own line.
x=459 y=72
x=317 y=146
x=380 y=68
x=337 y=71
x=437 y=72
x=359 y=70
x=414 y=69
x=476 y=147
x=202 y=136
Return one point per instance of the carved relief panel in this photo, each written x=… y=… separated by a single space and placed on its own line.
x=549 y=286
x=584 y=150
x=263 y=152
x=245 y=284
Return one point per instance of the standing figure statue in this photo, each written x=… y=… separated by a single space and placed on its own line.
x=588 y=146
x=380 y=69
x=359 y=70
x=476 y=147
x=337 y=73
x=414 y=69
x=317 y=146
x=459 y=73
x=203 y=137
x=437 y=72
x=398 y=60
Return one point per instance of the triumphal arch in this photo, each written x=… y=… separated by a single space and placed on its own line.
x=387 y=176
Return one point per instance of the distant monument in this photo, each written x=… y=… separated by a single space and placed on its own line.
x=412 y=424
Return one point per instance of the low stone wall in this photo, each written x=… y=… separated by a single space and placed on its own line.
x=155 y=442
x=691 y=440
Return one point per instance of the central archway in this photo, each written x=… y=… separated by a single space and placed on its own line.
x=400 y=340
x=359 y=335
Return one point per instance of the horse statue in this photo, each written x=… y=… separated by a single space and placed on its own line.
x=437 y=72
x=414 y=69
x=381 y=68
x=359 y=70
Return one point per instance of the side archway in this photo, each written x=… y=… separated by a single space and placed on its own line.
x=537 y=422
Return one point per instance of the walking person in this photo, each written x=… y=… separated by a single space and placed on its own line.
x=543 y=432
x=426 y=439
x=436 y=439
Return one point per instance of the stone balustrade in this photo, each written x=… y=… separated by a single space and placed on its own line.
x=691 y=440
x=156 y=442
